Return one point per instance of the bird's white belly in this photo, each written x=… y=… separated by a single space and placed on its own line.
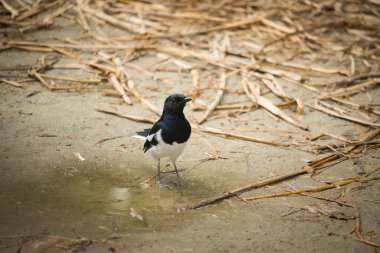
x=163 y=149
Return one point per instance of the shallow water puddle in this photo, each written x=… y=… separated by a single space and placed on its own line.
x=91 y=203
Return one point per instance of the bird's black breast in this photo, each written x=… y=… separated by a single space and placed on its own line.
x=175 y=128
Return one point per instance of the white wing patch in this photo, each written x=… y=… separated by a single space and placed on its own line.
x=144 y=138
x=150 y=137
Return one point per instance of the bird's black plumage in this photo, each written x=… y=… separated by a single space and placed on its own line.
x=168 y=136
x=173 y=124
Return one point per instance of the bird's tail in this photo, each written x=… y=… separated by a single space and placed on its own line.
x=142 y=135
x=143 y=138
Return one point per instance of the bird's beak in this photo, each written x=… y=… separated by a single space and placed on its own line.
x=187 y=100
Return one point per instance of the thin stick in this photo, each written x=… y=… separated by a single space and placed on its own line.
x=201 y=55
x=273 y=85
x=13 y=83
x=356 y=106
x=338 y=137
x=316 y=189
x=351 y=90
x=34 y=73
x=64 y=78
x=327 y=199
x=146 y=103
x=79 y=10
x=131 y=117
x=37 y=8
x=373 y=142
x=33 y=49
x=195 y=88
x=108 y=139
x=358 y=78
x=228 y=26
x=227 y=107
x=218 y=98
x=9 y=8
x=72 y=46
x=229 y=135
x=116 y=84
x=357 y=229
x=348 y=118
x=115 y=21
x=146 y=182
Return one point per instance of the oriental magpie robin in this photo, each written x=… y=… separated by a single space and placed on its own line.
x=168 y=136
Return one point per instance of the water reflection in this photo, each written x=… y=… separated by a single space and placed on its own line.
x=120 y=201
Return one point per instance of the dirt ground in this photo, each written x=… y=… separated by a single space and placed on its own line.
x=45 y=189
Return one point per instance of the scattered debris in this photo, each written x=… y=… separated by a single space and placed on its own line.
x=134 y=214
x=80 y=157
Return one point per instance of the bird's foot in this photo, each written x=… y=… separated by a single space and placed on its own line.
x=162 y=185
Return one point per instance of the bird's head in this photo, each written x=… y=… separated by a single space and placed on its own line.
x=175 y=103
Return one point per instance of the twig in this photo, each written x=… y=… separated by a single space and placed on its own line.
x=116 y=84
x=349 y=118
x=327 y=199
x=79 y=10
x=338 y=137
x=146 y=182
x=273 y=85
x=108 y=139
x=197 y=54
x=48 y=46
x=356 y=106
x=218 y=98
x=351 y=90
x=358 y=78
x=13 y=83
x=37 y=8
x=229 y=135
x=228 y=26
x=130 y=117
x=357 y=230
x=34 y=73
x=144 y=101
x=64 y=78
x=115 y=21
x=349 y=144
x=195 y=88
x=316 y=189
x=9 y=8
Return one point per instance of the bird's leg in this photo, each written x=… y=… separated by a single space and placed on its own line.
x=158 y=171
x=158 y=181
x=176 y=171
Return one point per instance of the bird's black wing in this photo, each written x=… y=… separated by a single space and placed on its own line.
x=144 y=132
x=150 y=134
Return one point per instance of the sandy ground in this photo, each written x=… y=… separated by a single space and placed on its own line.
x=46 y=189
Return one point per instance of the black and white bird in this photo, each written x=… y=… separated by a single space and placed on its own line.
x=169 y=135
